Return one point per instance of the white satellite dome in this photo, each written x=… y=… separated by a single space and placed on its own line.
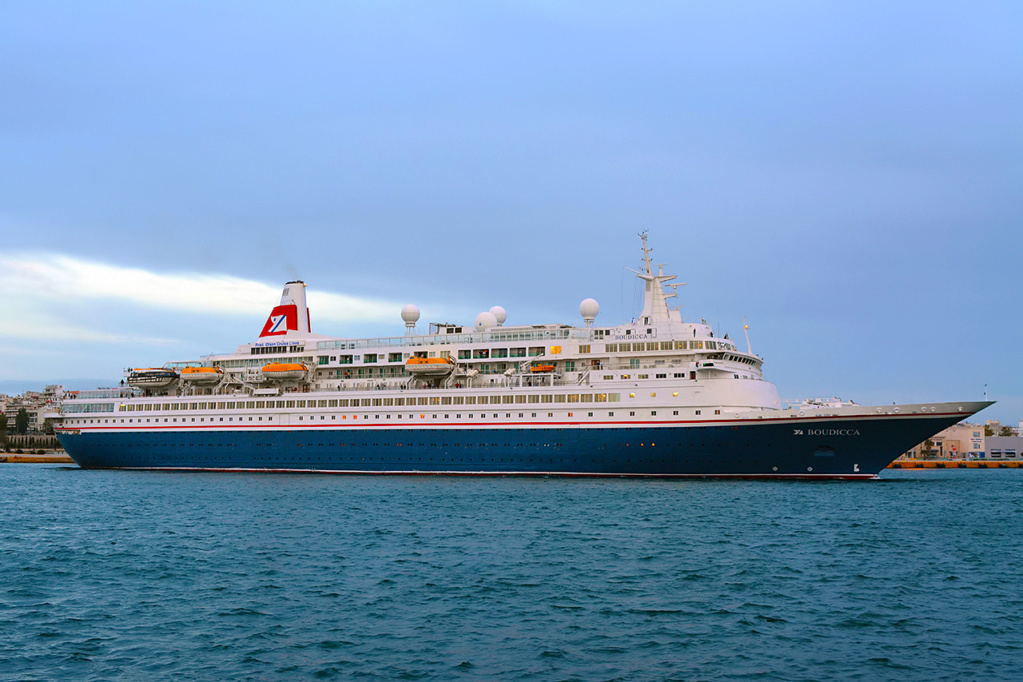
x=499 y=314
x=589 y=309
x=485 y=321
x=410 y=314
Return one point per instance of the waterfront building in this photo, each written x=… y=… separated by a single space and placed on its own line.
x=960 y=441
x=1004 y=447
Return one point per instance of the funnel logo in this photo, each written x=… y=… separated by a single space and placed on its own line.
x=283 y=318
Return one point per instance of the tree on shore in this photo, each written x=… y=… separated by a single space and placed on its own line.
x=1007 y=431
x=21 y=422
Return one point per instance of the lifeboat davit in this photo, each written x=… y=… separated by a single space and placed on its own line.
x=284 y=371
x=201 y=375
x=430 y=367
x=151 y=377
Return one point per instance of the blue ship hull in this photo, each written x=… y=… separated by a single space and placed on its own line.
x=778 y=448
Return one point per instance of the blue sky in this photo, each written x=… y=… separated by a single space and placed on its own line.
x=848 y=176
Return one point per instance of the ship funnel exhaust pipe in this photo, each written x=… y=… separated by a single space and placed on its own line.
x=291 y=316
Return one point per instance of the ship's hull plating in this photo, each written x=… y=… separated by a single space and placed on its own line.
x=832 y=447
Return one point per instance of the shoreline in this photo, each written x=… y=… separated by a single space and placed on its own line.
x=57 y=457
x=955 y=464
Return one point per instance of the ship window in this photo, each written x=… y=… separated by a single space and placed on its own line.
x=422 y=401
x=470 y=400
x=586 y=397
x=399 y=402
x=698 y=413
x=534 y=399
x=546 y=398
x=507 y=399
x=584 y=348
x=632 y=395
x=610 y=414
x=559 y=398
x=610 y=348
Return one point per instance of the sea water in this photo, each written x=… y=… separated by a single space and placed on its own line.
x=147 y=575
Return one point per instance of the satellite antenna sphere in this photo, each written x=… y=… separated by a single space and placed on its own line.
x=410 y=315
x=485 y=321
x=589 y=310
x=499 y=314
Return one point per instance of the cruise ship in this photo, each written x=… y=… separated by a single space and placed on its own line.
x=659 y=397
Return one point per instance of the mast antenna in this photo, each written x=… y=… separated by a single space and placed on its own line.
x=745 y=330
x=646 y=252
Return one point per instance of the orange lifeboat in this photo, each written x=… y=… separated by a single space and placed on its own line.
x=430 y=367
x=537 y=369
x=284 y=371
x=201 y=375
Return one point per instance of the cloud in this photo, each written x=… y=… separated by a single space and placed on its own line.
x=38 y=284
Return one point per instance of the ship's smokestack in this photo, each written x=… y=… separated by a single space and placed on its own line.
x=291 y=316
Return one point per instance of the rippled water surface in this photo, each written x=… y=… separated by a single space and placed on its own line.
x=215 y=576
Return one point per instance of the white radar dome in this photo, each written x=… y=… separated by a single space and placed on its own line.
x=485 y=321
x=410 y=314
x=589 y=310
x=499 y=314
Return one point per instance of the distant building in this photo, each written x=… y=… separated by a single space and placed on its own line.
x=959 y=441
x=1005 y=447
x=34 y=403
x=996 y=427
